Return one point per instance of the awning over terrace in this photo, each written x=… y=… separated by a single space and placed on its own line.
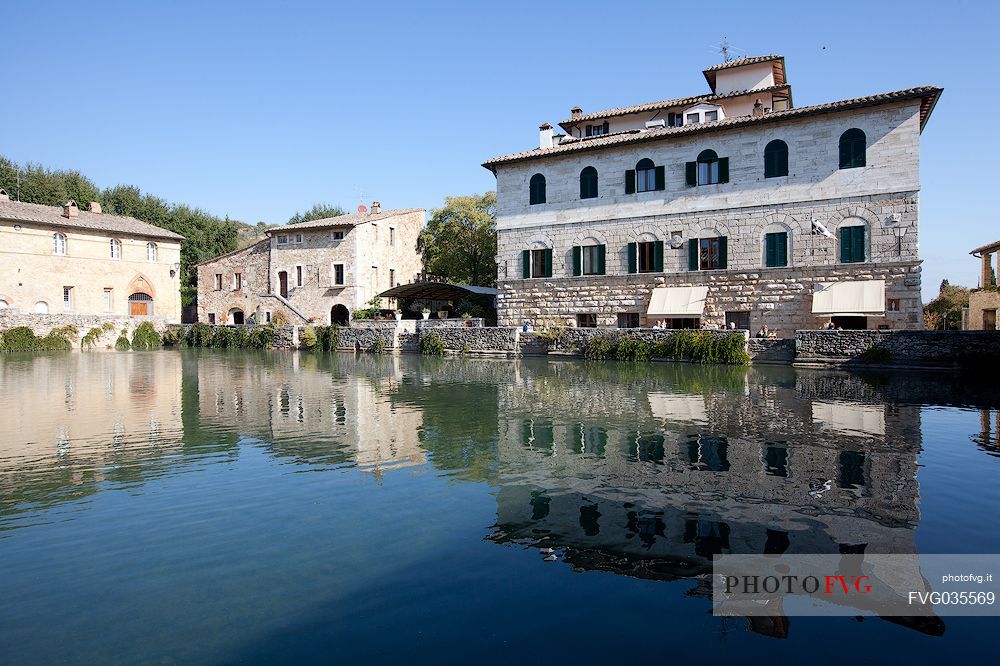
x=437 y=291
x=863 y=298
x=677 y=302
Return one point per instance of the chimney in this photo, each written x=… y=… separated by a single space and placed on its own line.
x=758 y=109
x=95 y=207
x=376 y=208
x=545 y=135
x=70 y=209
x=575 y=112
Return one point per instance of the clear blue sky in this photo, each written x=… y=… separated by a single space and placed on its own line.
x=257 y=110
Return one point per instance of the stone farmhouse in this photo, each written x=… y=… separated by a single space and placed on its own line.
x=732 y=207
x=320 y=271
x=65 y=261
x=985 y=301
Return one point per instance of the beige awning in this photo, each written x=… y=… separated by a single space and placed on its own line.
x=863 y=298
x=677 y=302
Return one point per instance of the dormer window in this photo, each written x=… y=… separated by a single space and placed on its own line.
x=711 y=116
x=693 y=118
x=596 y=130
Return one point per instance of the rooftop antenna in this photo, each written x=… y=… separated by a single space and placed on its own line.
x=725 y=49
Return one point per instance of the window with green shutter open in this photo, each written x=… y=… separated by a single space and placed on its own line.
x=776 y=249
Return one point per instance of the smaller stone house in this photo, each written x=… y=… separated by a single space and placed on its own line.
x=985 y=301
x=320 y=271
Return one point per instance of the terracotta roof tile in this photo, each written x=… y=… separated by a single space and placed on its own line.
x=928 y=94
x=18 y=211
x=739 y=62
x=351 y=220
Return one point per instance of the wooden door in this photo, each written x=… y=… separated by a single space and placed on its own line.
x=989 y=320
x=138 y=308
x=283 y=284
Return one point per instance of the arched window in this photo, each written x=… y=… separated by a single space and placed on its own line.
x=775 y=159
x=140 y=304
x=151 y=252
x=708 y=167
x=536 y=189
x=41 y=307
x=645 y=176
x=588 y=183
x=116 y=248
x=59 y=244
x=4 y=304
x=852 y=149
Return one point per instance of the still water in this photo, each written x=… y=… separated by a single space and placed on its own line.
x=205 y=507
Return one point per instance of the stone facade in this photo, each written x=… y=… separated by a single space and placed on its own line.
x=983 y=307
x=42 y=324
x=881 y=197
x=86 y=263
x=315 y=271
x=908 y=348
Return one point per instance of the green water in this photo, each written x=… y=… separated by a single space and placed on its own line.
x=205 y=507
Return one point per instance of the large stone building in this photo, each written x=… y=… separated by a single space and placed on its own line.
x=63 y=260
x=732 y=206
x=985 y=301
x=320 y=270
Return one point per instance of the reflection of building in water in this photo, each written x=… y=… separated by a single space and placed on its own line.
x=69 y=417
x=989 y=431
x=668 y=476
x=315 y=416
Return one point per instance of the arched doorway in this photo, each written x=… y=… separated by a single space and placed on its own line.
x=283 y=283
x=140 y=304
x=41 y=307
x=339 y=315
x=235 y=317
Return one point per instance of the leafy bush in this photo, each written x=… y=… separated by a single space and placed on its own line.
x=875 y=354
x=370 y=312
x=632 y=350
x=261 y=337
x=172 y=336
x=309 y=337
x=279 y=319
x=328 y=337
x=122 y=343
x=200 y=335
x=431 y=345
x=598 y=348
x=90 y=340
x=19 y=339
x=145 y=337
x=378 y=347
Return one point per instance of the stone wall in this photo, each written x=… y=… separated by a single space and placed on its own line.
x=476 y=339
x=41 y=324
x=574 y=339
x=980 y=301
x=768 y=350
x=909 y=348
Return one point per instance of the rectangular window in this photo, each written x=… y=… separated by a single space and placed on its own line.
x=628 y=320
x=693 y=118
x=392 y=235
x=538 y=263
x=67 y=298
x=211 y=318
x=338 y=235
x=892 y=305
x=109 y=303
x=267 y=316
x=218 y=281
x=776 y=249
x=237 y=281
x=645 y=180
x=282 y=240
x=711 y=115
x=646 y=257
x=586 y=321
x=392 y=278
x=852 y=245
x=298 y=276
x=708 y=172
x=338 y=274
x=590 y=255
x=298 y=238
x=710 y=254
x=739 y=320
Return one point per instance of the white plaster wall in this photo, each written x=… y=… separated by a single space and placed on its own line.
x=744 y=78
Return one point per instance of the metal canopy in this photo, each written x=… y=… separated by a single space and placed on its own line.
x=437 y=291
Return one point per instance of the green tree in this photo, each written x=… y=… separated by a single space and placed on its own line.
x=317 y=212
x=460 y=241
x=946 y=309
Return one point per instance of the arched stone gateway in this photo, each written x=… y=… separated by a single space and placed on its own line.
x=235 y=316
x=140 y=304
x=340 y=315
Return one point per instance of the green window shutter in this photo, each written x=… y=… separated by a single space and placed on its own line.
x=723 y=252
x=770 y=249
x=693 y=254
x=606 y=127
x=576 y=260
x=691 y=173
x=526 y=263
x=661 y=178
x=658 y=256
x=723 y=169
x=633 y=266
x=845 y=245
x=547 y=263
x=630 y=181
x=858 y=243
x=782 y=251
x=600 y=259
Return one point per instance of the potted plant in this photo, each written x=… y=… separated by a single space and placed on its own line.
x=399 y=314
x=426 y=312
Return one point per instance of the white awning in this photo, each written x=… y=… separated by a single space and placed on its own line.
x=677 y=302
x=863 y=298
